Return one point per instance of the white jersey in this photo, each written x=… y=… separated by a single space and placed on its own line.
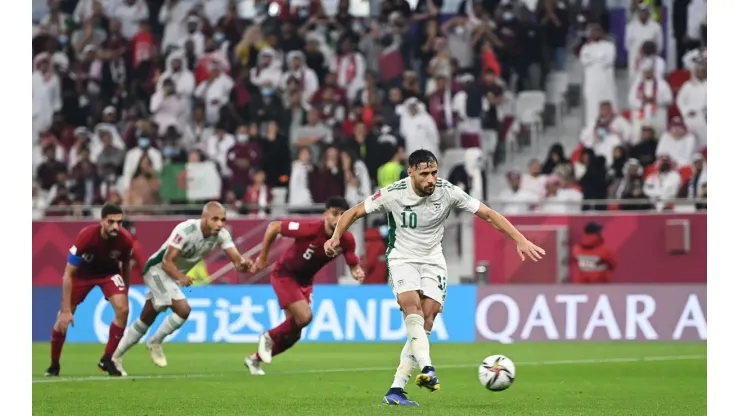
x=417 y=223
x=188 y=238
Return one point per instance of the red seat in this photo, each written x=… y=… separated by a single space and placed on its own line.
x=677 y=78
x=575 y=157
x=686 y=173
x=649 y=170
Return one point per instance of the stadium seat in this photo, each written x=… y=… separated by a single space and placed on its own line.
x=450 y=159
x=686 y=173
x=528 y=110
x=677 y=78
x=649 y=170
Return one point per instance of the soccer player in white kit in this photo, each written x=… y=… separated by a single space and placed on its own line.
x=417 y=207
x=165 y=274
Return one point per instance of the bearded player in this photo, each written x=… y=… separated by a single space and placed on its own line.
x=165 y=274
x=99 y=257
x=292 y=277
x=417 y=207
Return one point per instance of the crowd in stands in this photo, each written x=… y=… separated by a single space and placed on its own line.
x=295 y=101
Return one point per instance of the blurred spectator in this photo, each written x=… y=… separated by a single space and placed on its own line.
x=649 y=98
x=677 y=143
x=307 y=80
x=47 y=172
x=268 y=70
x=471 y=174
x=167 y=108
x=47 y=94
x=198 y=130
x=662 y=185
x=105 y=152
x=392 y=170
x=604 y=142
x=692 y=103
x=144 y=187
x=314 y=134
x=692 y=188
x=258 y=196
x=534 y=181
x=610 y=121
x=173 y=15
x=214 y=92
x=555 y=158
x=515 y=199
x=86 y=187
x=621 y=180
x=241 y=159
x=172 y=149
x=132 y=162
x=356 y=177
x=619 y=158
x=299 y=194
x=569 y=188
x=328 y=179
x=595 y=262
x=644 y=151
x=275 y=150
x=350 y=68
x=594 y=182
x=597 y=57
x=642 y=28
x=553 y=15
x=418 y=127
x=554 y=202
x=649 y=52
x=176 y=70
x=130 y=13
x=218 y=146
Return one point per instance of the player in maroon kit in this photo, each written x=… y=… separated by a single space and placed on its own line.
x=292 y=277
x=99 y=257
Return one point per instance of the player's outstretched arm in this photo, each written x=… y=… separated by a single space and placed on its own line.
x=241 y=264
x=272 y=232
x=345 y=221
x=523 y=246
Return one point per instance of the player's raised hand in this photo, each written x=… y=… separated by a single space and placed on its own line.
x=331 y=247
x=244 y=265
x=527 y=248
x=357 y=273
x=64 y=320
x=258 y=265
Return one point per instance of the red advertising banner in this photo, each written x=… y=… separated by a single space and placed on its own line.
x=52 y=240
x=648 y=248
x=511 y=313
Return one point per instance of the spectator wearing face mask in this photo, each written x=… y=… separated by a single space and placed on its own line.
x=663 y=185
x=611 y=121
x=677 y=143
x=649 y=98
x=133 y=157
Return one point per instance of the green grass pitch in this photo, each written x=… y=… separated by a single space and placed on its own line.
x=350 y=379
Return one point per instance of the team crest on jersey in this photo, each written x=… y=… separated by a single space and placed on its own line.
x=114 y=254
x=437 y=206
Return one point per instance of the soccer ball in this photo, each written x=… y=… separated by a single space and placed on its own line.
x=496 y=373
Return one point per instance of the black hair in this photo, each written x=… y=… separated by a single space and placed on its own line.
x=110 y=209
x=337 y=202
x=421 y=156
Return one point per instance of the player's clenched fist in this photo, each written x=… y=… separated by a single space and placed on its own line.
x=258 y=265
x=357 y=273
x=185 y=280
x=331 y=247
x=244 y=265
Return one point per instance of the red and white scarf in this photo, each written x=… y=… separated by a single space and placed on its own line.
x=350 y=70
x=646 y=92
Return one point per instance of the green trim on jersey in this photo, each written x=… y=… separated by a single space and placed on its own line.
x=443 y=183
x=190 y=228
x=397 y=186
x=155 y=260
x=391 y=234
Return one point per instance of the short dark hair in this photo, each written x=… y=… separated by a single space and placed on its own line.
x=110 y=209
x=337 y=202
x=421 y=156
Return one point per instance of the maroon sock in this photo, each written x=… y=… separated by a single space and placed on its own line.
x=115 y=333
x=283 y=336
x=288 y=341
x=57 y=342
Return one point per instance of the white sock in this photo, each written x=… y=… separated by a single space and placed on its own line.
x=418 y=339
x=170 y=325
x=405 y=368
x=131 y=337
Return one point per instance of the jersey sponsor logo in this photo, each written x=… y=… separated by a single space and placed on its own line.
x=376 y=195
x=292 y=226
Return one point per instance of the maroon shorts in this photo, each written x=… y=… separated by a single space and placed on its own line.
x=109 y=285
x=289 y=290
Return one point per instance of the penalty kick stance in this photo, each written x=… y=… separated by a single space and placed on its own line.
x=417 y=207
x=165 y=273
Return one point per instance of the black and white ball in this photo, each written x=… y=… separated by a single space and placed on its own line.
x=496 y=373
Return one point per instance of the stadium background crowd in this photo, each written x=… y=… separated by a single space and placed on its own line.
x=260 y=104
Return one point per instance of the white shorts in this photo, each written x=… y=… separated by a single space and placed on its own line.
x=162 y=288
x=428 y=278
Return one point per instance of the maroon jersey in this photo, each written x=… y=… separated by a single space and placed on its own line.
x=307 y=256
x=98 y=257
